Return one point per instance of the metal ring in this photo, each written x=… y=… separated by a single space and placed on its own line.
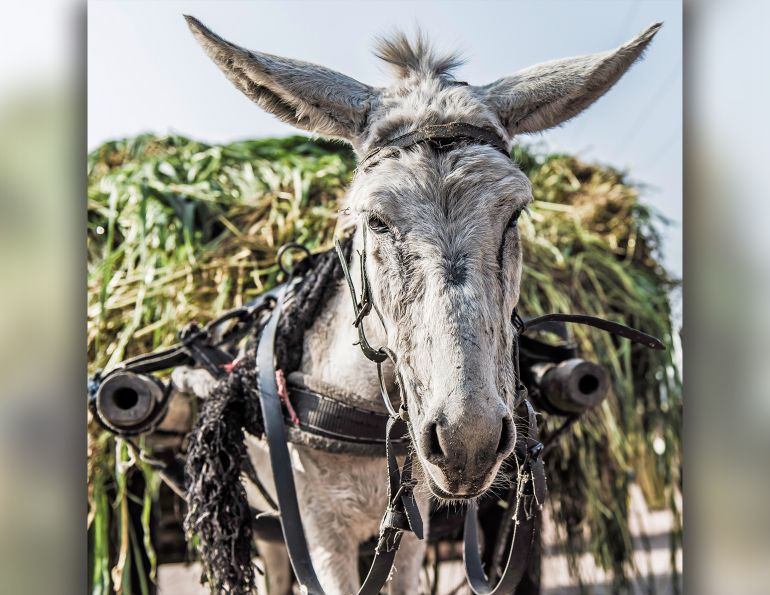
x=384 y=389
x=384 y=392
x=283 y=250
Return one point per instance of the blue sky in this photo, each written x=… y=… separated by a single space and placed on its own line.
x=146 y=73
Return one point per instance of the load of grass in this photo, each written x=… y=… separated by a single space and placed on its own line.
x=179 y=230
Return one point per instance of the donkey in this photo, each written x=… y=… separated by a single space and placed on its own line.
x=444 y=262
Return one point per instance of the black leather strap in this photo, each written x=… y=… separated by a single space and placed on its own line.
x=531 y=491
x=160 y=360
x=518 y=558
x=330 y=418
x=400 y=500
x=280 y=460
x=606 y=325
x=440 y=135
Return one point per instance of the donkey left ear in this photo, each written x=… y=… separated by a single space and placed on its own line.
x=548 y=94
x=311 y=97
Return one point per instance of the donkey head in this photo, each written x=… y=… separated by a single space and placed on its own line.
x=440 y=225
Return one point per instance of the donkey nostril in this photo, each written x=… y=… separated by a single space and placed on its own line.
x=434 y=444
x=505 y=443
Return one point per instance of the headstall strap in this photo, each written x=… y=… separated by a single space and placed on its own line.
x=441 y=136
x=362 y=307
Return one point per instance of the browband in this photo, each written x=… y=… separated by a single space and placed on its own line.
x=441 y=135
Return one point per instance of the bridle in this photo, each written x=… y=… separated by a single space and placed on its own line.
x=402 y=514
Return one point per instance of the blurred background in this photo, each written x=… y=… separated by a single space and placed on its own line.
x=42 y=203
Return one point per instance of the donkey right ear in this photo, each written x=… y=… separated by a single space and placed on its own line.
x=308 y=96
x=548 y=94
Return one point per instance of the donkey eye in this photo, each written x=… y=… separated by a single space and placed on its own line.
x=377 y=225
x=514 y=220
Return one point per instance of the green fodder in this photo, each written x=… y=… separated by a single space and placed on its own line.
x=591 y=247
x=180 y=230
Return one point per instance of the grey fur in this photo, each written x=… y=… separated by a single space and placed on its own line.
x=445 y=278
x=548 y=94
x=415 y=58
x=310 y=97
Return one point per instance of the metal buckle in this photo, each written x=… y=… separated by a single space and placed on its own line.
x=518 y=322
x=535 y=451
x=363 y=310
x=284 y=250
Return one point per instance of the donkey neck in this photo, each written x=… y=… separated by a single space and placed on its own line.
x=330 y=354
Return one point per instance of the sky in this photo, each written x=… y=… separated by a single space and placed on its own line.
x=146 y=73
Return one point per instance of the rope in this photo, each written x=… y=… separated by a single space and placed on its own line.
x=217 y=459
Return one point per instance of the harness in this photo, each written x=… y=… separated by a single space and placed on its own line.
x=288 y=411
x=530 y=492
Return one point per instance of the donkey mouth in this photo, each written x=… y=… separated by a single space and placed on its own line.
x=442 y=494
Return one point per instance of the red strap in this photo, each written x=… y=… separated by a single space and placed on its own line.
x=280 y=381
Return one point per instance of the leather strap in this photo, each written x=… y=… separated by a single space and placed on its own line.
x=280 y=459
x=160 y=360
x=518 y=558
x=440 y=135
x=330 y=418
x=530 y=494
x=360 y=308
x=400 y=515
x=606 y=325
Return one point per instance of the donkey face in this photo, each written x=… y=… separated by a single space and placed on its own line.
x=444 y=264
x=440 y=227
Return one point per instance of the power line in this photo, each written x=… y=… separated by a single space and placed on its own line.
x=633 y=9
x=650 y=106
x=627 y=20
x=655 y=156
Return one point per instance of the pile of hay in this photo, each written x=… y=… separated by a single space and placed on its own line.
x=179 y=230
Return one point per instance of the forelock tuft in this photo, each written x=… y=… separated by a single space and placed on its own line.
x=416 y=56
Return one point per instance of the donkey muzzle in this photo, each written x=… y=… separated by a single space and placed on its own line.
x=462 y=458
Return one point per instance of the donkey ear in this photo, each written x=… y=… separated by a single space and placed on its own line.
x=548 y=94
x=308 y=96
